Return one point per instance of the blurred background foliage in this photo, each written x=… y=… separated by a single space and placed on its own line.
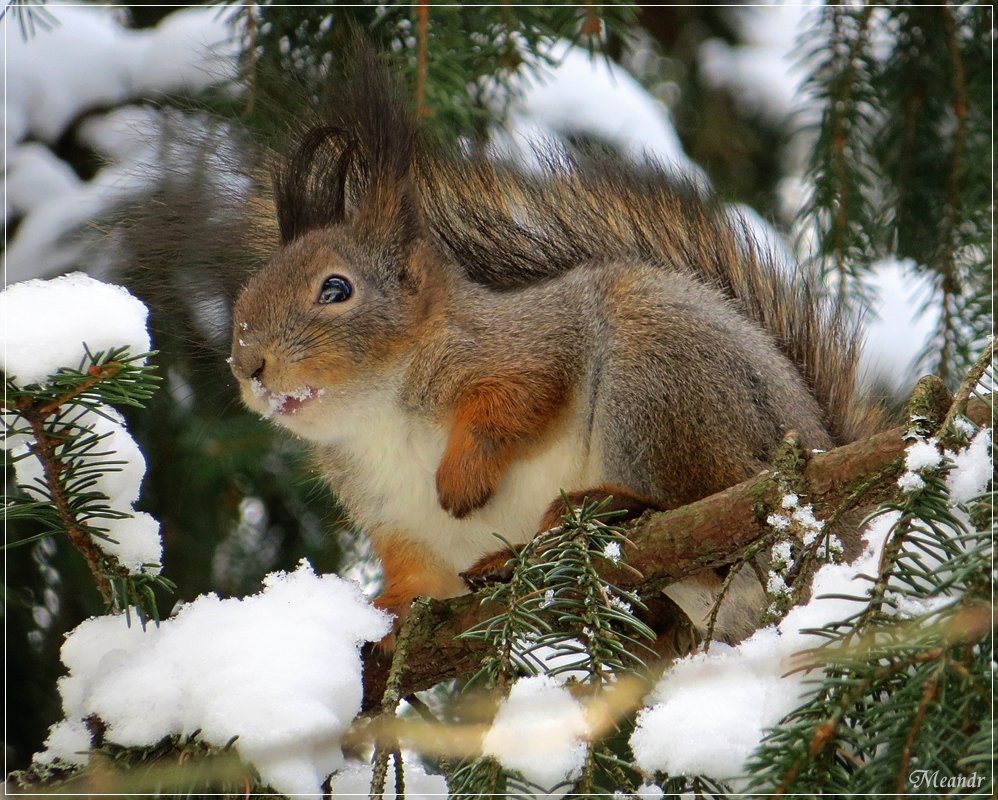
x=899 y=162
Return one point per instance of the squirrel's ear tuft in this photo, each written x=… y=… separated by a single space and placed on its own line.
x=355 y=166
x=310 y=185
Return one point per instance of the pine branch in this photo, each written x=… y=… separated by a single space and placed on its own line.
x=31 y=14
x=38 y=409
x=69 y=452
x=672 y=545
x=952 y=216
x=390 y=701
x=44 y=447
x=865 y=719
x=968 y=387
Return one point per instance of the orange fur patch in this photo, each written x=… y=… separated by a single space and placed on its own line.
x=497 y=421
x=410 y=571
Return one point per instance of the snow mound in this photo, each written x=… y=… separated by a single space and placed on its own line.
x=540 y=732
x=90 y=61
x=710 y=710
x=592 y=97
x=280 y=670
x=973 y=468
x=46 y=324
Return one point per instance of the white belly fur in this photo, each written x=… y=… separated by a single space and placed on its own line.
x=387 y=479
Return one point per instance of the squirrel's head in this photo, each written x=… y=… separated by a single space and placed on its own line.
x=334 y=313
x=328 y=318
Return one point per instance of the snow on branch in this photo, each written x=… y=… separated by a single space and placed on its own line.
x=278 y=672
x=73 y=348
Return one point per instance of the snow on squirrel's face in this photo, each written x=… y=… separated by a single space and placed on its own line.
x=325 y=321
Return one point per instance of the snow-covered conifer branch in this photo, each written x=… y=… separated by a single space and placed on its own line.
x=78 y=468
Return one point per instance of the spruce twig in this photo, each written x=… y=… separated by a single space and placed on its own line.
x=79 y=535
x=390 y=701
x=865 y=720
x=967 y=387
x=71 y=463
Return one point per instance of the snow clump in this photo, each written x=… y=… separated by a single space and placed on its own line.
x=280 y=670
x=540 y=732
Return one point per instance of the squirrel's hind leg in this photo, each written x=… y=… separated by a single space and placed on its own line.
x=410 y=571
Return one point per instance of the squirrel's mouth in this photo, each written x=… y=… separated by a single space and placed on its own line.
x=284 y=403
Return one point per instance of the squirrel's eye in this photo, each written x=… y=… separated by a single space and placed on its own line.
x=335 y=289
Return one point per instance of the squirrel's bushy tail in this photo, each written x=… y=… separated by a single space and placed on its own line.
x=509 y=228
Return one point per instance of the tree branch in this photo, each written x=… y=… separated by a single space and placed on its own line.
x=842 y=485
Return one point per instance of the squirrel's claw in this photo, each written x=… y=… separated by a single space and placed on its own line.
x=488 y=571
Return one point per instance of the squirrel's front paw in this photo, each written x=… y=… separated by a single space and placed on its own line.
x=465 y=481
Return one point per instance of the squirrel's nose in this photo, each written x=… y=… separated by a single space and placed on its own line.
x=247 y=366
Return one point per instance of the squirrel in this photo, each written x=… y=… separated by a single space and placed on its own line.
x=460 y=341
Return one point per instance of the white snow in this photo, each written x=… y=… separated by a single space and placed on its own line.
x=650 y=791
x=905 y=606
x=965 y=426
x=122 y=132
x=90 y=61
x=763 y=236
x=190 y=50
x=973 y=468
x=782 y=555
x=136 y=541
x=922 y=455
x=120 y=484
x=137 y=544
x=68 y=741
x=800 y=518
x=804 y=516
x=50 y=237
x=46 y=324
x=354 y=779
x=583 y=95
x=280 y=670
x=34 y=176
x=911 y=482
x=549 y=658
x=899 y=323
x=776 y=585
x=710 y=710
x=778 y=521
x=540 y=732
x=763 y=75
x=612 y=551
